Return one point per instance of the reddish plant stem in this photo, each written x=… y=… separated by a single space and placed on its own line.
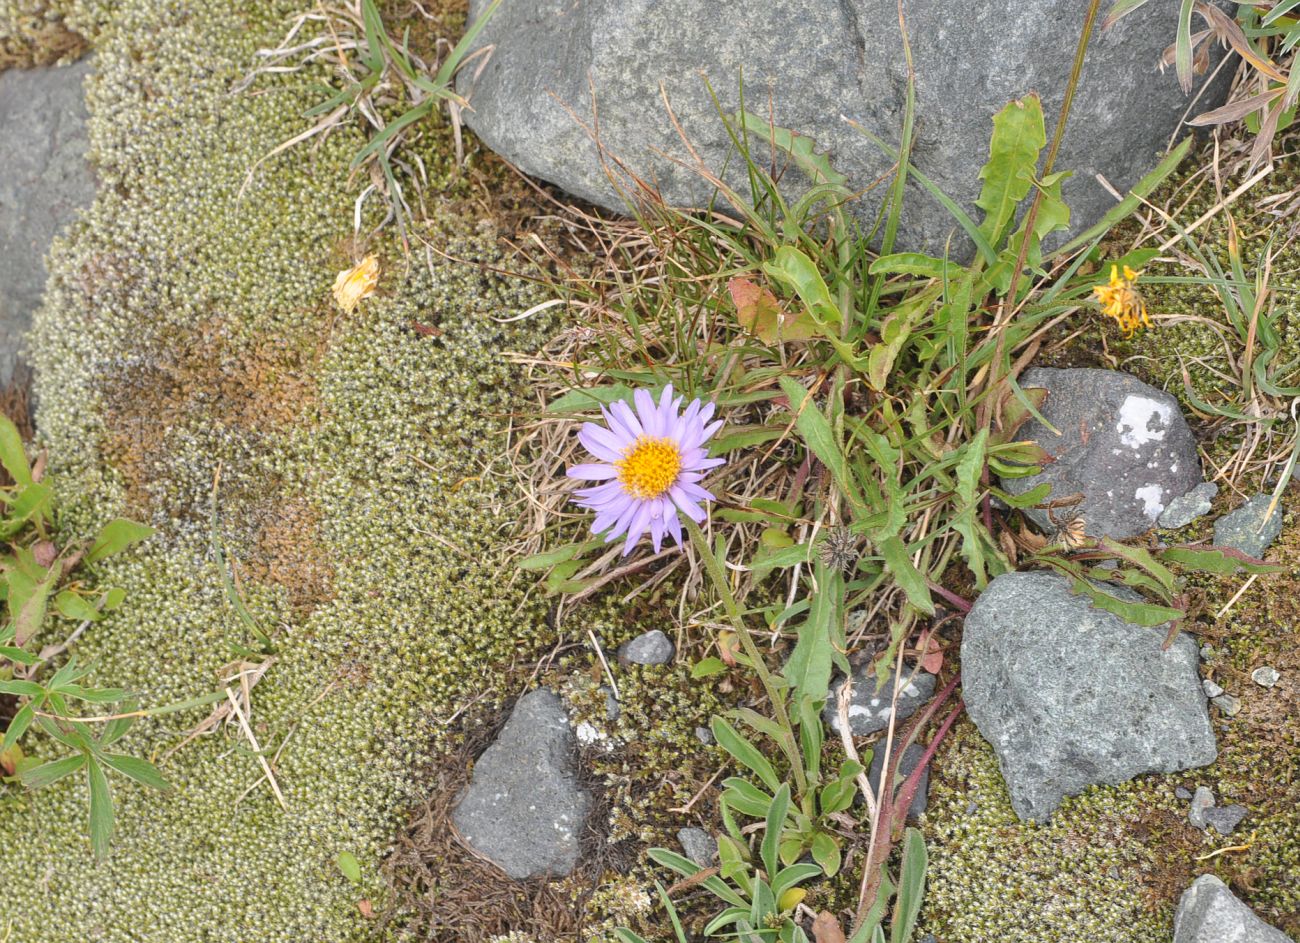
x=949 y=596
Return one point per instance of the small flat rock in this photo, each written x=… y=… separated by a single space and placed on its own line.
x=1123 y=445
x=911 y=758
x=870 y=707
x=524 y=808
x=1231 y=706
x=1211 y=689
x=1210 y=913
x=1225 y=819
x=648 y=648
x=1202 y=802
x=1070 y=695
x=1183 y=510
x=45 y=181
x=1265 y=676
x=1182 y=792
x=698 y=845
x=1245 y=528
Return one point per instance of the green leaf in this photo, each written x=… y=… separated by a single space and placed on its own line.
x=744 y=437
x=584 y=400
x=75 y=607
x=1018 y=138
x=912 y=263
x=348 y=864
x=28 y=600
x=775 y=823
x=1216 y=560
x=101 y=809
x=766 y=560
x=708 y=667
x=799 y=273
x=1139 y=613
x=907 y=576
x=911 y=886
x=18 y=726
x=142 y=771
x=12 y=454
x=549 y=558
x=745 y=753
x=52 y=772
x=826 y=852
x=809 y=667
x=818 y=436
x=745 y=797
x=33 y=502
x=798 y=146
x=117 y=535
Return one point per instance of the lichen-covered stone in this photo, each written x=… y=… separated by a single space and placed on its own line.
x=1210 y=913
x=872 y=701
x=1121 y=444
x=648 y=648
x=1182 y=510
x=524 y=808
x=1070 y=695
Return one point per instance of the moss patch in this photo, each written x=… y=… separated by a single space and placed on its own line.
x=363 y=495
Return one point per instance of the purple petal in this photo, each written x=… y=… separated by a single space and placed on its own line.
x=600 y=442
x=703 y=464
x=675 y=526
x=646 y=412
x=592 y=472
x=624 y=414
x=637 y=527
x=685 y=504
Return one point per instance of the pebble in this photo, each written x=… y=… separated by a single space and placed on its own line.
x=1224 y=819
x=1207 y=652
x=1245 y=529
x=704 y=735
x=1202 y=801
x=1182 y=792
x=1212 y=690
x=1265 y=677
x=649 y=648
x=1231 y=706
x=698 y=845
x=1196 y=503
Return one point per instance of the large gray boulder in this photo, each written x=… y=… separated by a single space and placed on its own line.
x=524 y=807
x=1070 y=695
x=44 y=181
x=564 y=72
x=1210 y=913
x=1122 y=444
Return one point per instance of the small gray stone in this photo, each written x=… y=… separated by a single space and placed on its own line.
x=1265 y=676
x=870 y=707
x=1207 y=652
x=612 y=710
x=1183 y=510
x=704 y=735
x=1245 y=528
x=649 y=648
x=1182 y=792
x=1070 y=695
x=911 y=757
x=698 y=845
x=1224 y=819
x=1202 y=801
x=1211 y=689
x=524 y=808
x=1122 y=444
x=1230 y=705
x=46 y=180
x=1210 y=913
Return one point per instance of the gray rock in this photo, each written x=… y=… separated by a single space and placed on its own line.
x=1245 y=528
x=1210 y=913
x=1210 y=688
x=45 y=181
x=704 y=735
x=911 y=758
x=524 y=807
x=870 y=707
x=1123 y=445
x=612 y=708
x=1202 y=802
x=1181 y=511
x=565 y=74
x=1070 y=695
x=1231 y=706
x=1182 y=792
x=649 y=648
x=1265 y=676
x=1224 y=819
x=698 y=845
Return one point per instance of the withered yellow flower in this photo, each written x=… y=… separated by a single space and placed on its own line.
x=356 y=283
x=1121 y=300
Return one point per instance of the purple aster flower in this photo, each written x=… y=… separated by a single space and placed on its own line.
x=651 y=460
